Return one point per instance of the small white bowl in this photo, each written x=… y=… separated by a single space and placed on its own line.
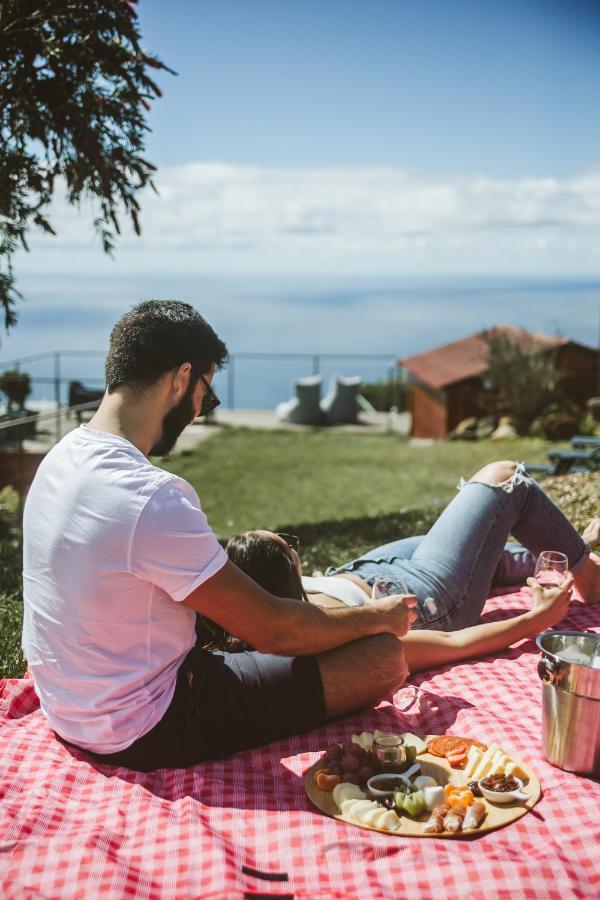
x=504 y=796
x=375 y=780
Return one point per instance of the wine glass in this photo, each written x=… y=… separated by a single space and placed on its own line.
x=551 y=568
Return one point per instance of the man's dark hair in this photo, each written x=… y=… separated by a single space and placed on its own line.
x=157 y=336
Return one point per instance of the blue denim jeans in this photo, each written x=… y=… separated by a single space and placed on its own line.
x=452 y=569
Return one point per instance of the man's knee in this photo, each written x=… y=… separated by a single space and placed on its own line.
x=496 y=473
x=391 y=665
x=361 y=673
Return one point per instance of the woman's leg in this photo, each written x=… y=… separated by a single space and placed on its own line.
x=451 y=571
x=514 y=566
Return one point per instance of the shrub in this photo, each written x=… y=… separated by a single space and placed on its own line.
x=384 y=394
x=12 y=661
x=522 y=372
x=589 y=425
x=16 y=386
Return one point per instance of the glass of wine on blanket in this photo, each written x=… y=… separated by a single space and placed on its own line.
x=551 y=568
x=406 y=697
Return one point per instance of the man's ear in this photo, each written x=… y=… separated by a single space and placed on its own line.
x=181 y=379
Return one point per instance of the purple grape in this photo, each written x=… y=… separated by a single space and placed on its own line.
x=334 y=753
x=350 y=762
x=351 y=778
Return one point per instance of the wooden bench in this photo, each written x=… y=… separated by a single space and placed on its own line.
x=575 y=460
x=585 y=442
x=584 y=457
x=79 y=394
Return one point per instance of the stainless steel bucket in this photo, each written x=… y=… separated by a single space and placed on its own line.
x=570 y=671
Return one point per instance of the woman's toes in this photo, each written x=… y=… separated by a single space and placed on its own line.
x=592 y=532
x=587 y=579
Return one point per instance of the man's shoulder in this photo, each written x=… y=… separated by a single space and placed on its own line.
x=98 y=462
x=165 y=490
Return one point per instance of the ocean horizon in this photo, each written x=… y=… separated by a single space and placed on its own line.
x=391 y=317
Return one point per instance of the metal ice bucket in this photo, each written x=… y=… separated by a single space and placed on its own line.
x=570 y=671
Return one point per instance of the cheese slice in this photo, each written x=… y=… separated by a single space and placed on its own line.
x=485 y=763
x=498 y=763
x=368 y=816
x=415 y=741
x=515 y=769
x=347 y=791
x=473 y=759
x=387 y=818
x=364 y=740
x=355 y=809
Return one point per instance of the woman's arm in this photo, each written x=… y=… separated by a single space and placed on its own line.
x=431 y=649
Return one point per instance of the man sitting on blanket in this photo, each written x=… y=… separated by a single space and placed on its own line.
x=119 y=557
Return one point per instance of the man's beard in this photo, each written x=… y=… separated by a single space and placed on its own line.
x=174 y=422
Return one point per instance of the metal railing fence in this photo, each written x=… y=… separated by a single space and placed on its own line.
x=58 y=380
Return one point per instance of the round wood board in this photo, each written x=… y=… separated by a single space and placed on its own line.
x=497 y=816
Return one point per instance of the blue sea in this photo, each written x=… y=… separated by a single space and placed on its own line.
x=389 y=317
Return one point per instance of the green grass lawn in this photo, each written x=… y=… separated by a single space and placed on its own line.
x=251 y=479
x=343 y=493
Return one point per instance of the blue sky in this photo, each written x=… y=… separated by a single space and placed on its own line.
x=507 y=88
x=419 y=166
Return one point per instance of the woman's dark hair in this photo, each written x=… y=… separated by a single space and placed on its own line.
x=267 y=563
x=157 y=336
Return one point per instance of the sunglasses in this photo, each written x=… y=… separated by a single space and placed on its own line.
x=210 y=401
x=292 y=540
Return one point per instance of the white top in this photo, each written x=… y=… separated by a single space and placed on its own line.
x=110 y=541
x=339 y=588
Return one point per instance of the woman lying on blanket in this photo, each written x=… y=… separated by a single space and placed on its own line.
x=451 y=571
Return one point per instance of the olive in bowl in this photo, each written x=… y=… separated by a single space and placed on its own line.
x=502 y=788
x=384 y=785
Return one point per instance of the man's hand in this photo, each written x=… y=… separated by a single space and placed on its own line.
x=401 y=610
x=290 y=627
x=551 y=603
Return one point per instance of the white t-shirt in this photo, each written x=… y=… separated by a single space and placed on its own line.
x=110 y=541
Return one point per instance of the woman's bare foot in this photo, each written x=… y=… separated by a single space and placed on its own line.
x=592 y=533
x=587 y=579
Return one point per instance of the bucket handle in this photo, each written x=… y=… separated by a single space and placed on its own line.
x=548 y=670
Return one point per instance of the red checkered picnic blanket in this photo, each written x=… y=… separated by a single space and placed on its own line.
x=243 y=827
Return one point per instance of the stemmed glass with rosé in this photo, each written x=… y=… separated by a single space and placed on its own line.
x=551 y=568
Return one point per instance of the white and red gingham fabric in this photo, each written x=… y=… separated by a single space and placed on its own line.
x=244 y=827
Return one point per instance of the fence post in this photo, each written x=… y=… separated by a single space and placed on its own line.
x=230 y=382
x=316 y=363
x=57 y=419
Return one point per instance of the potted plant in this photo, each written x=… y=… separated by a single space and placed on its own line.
x=17 y=387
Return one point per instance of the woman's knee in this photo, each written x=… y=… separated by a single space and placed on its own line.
x=496 y=473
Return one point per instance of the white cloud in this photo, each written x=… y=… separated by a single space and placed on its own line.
x=219 y=217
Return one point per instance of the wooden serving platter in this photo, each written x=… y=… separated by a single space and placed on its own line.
x=498 y=815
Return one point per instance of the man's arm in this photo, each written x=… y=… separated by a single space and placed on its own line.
x=290 y=627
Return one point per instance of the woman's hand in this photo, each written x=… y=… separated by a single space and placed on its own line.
x=550 y=604
x=400 y=611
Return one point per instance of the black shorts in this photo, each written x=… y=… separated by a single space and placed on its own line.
x=226 y=702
